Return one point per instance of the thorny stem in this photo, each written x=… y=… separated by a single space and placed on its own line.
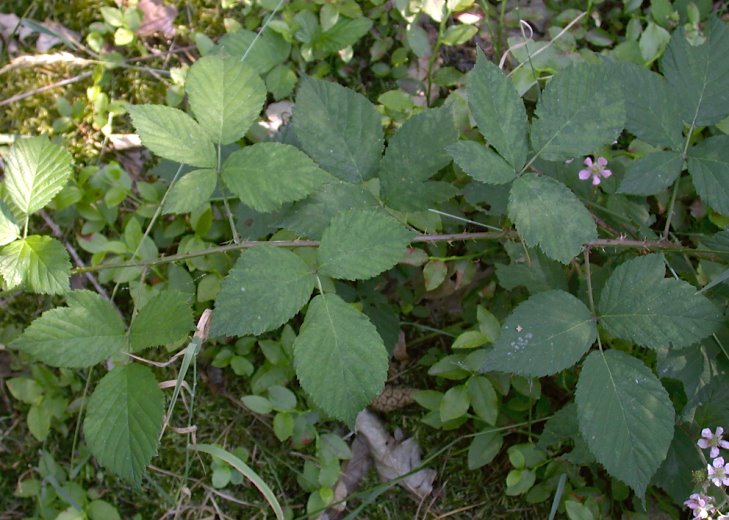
x=646 y=245
x=588 y=279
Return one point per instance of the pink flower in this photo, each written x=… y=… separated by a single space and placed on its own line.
x=701 y=505
x=595 y=170
x=713 y=441
x=719 y=472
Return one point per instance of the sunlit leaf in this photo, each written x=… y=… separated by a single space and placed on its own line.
x=39 y=263
x=340 y=359
x=266 y=287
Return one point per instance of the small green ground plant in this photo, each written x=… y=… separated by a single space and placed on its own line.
x=589 y=344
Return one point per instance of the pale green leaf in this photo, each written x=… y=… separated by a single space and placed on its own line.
x=172 y=134
x=266 y=287
x=360 y=244
x=225 y=96
x=481 y=163
x=700 y=74
x=164 y=320
x=123 y=421
x=269 y=50
x=38 y=263
x=708 y=164
x=625 y=416
x=339 y=128
x=340 y=359
x=547 y=213
x=651 y=106
x=190 y=192
x=266 y=175
x=311 y=217
x=639 y=304
x=498 y=110
x=484 y=401
x=454 y=404
x=35 y=171
x=9 y=230
x=548 y=333
x=86 y=332
x=581 y=110
x=652 y=174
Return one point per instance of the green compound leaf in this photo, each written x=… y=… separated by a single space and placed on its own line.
x=192 y=191
x=339 y=128
x=9 y=230
x=639 y=304
x=547 y=333
x=172 y=134
x=86 y=332
x=225 y=97
x=123 y=421
x=652 y=174
x=269 y=50
x=39 y=263
x=700 y=75
x=266 y=175
x=481 y=163
x=360 y=244
x=651 y=106
x=581 y=110
x=35 y=171
x=498 y=110
x=266 y=287
x=311 y=217
x=708 y=164
x=164 y=320
x=340 y=359
x=625 y=416
x=415 y=153
x=547 y=213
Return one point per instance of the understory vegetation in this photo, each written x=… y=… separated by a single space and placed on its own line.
x=378 y=259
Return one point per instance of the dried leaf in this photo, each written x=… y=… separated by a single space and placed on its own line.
x=157 y=18
x=394 y=459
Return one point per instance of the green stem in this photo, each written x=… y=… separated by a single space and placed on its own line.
x=434 y=57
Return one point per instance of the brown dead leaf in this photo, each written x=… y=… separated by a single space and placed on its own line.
x=157 y=18
x=392 y=398
x=393 y=458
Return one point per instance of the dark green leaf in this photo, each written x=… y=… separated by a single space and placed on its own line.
x=675 y=475
x=547 y=213
x=498 y=110
x=581 y=109
x=164 y=320
x=339 y=128
x=652 y=174
x=651 y=106
x=266 y=288
x=86 y=332
x=708 y=164
x=547 y=333
x=360 y=244
x=481 y=163
x=266 y=175
x=625 y=416
x=339 y=357
x=700 y=74
x=123 y=421
x=639 y=304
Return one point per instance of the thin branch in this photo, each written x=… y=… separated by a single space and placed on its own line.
x=40 y=90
